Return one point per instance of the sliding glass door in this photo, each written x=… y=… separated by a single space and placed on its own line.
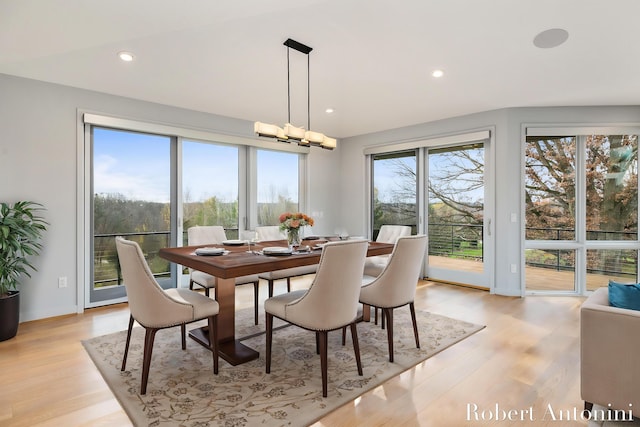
x=150 y=188
x=131 y=188
x=459 y=229
x=442 y=188
x=395 y=191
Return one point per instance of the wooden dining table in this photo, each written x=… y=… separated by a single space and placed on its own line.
x=239 y=262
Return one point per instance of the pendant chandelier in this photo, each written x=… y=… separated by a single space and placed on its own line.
x=289 y=132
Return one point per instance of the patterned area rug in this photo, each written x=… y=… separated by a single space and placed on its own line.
x=183 y=391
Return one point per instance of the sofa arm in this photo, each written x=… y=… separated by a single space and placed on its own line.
x=609 y=351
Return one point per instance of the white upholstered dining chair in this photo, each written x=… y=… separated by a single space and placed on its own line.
x=154 y=308
x=273 y=232
x=330 y=303
x=373 y=266
x=210 y=235
x=396 y=285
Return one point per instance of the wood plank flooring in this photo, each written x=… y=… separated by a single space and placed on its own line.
x=527 y=357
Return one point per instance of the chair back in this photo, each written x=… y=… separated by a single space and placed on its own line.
x=270 y=232
x=148 y=303
x=205 y=235
x=396 y=285
x=332 y=300
x=391 y=233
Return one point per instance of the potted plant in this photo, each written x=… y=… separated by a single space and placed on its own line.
x=21 y=229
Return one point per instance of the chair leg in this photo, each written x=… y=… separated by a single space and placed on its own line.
x=268 y=337
x=183 y=332
x=190 y=284
x=149 y=336
x=213 y=341
x=126 y=346
x=375 y=316
x=256 y=286
x=382 y=319
x=270 y=288
x=206 y=291
x=317 y=342
x=388 y=313
x=415 y=325
x=344 y=335
x=288 y=284
x=356 y=347
x=323 y=361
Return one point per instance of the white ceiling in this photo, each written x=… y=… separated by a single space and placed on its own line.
x=371 y=61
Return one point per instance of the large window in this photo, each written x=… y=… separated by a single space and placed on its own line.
x=395 y=191
x=210 y=186
x=150 y=183
x=278 y=185
x=581 y=210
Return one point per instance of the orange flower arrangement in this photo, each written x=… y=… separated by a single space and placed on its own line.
x=293 y=221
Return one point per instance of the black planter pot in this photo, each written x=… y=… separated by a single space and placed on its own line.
x=9 y=315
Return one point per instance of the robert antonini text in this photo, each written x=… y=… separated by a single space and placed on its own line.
x=550 y=413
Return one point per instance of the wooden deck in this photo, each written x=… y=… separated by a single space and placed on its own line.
x=536 y=279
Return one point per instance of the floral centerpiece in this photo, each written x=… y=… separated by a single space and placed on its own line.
x=291 y=222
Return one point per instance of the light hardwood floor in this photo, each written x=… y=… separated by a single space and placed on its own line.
x=526 y=357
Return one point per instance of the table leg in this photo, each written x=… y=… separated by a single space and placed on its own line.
x=366 y=313
x=230 y=349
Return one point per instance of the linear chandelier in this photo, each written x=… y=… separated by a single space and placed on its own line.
x=289 y=132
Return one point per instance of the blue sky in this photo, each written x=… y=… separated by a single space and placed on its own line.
x=138 y=166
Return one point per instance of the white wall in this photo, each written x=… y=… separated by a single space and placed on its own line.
x=38 y=146
x=38 y=162
x=508 y=159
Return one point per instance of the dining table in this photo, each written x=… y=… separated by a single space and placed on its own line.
x=240 y=260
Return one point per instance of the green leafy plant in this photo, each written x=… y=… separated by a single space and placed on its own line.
x=21 y=229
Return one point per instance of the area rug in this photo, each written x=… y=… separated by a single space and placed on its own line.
x=183 y=391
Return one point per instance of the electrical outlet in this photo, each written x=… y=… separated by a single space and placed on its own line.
x=514 y=268
x=62 y=282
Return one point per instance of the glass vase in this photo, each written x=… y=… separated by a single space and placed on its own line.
x=293 y=238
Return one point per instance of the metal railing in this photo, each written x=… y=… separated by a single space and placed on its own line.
x=545 y=233
x=452 y=240
x=456 y=240
x=106 y=267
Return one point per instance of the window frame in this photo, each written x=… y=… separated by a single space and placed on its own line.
x=247 y=192
x=579 y=244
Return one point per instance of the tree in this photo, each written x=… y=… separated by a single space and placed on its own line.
x=399 y=204
x=550 y=187
x=611 y=186
x=611 y=182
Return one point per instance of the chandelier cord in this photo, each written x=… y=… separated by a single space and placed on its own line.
x=308 y=95
x=288 y=88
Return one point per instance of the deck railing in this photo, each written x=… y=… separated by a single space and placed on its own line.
x=451 y=240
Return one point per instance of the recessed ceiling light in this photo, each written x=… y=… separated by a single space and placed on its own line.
x=329 y=110
x=437 y=73
x=126 y=56
x=551 y=38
